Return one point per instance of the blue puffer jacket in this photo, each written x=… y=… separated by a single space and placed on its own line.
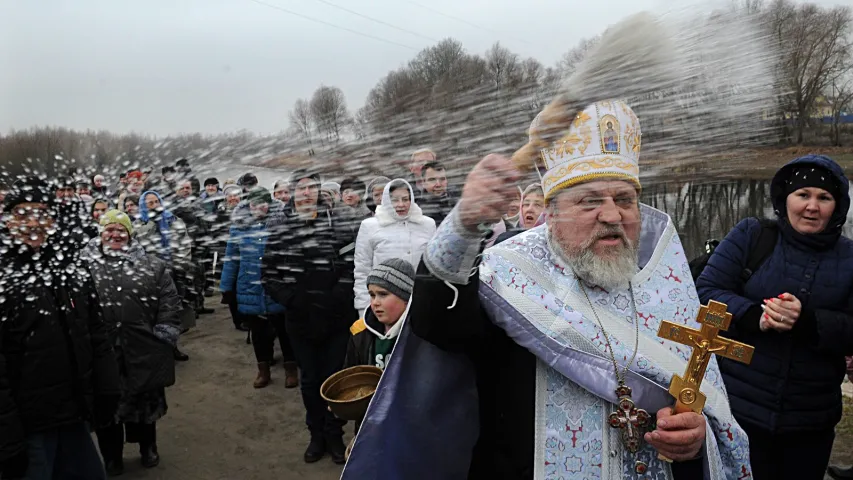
x=241 y=270
x=793 y=383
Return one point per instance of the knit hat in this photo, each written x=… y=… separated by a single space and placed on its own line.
x=116 y=216
x=248 y=180
x=395 y=275
x=353 y=183
x=259 y=195
x=28 y=190
x=811 y=176
x=232 y=190
x=301 y=174
x=331 y=187
x=211 y=181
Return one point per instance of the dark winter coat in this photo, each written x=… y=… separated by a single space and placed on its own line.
x=346 y=221
x=508 y=234
x=193 y=215
x=72 y=220
x=793 y=383
x=362 y=345
x=436 y=208
x=142 y=311
x=302 y=270
x=241 y=270
x=55 y=355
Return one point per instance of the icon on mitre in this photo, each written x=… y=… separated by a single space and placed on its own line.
x=609 y=128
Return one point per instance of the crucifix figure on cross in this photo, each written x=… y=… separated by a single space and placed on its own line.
x=630 y=420
x=705 y=342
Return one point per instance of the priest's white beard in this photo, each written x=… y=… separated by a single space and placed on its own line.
x=610 y=273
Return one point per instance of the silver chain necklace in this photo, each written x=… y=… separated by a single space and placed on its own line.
x=630 y=420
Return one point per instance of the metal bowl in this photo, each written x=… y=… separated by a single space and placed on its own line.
x=349 y=391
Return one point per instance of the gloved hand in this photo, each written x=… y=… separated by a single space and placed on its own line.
x=15 y=467
x=105 y=409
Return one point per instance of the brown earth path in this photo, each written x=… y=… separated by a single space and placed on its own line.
x=220 y=428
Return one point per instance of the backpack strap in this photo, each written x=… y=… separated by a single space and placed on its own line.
x=762 y=249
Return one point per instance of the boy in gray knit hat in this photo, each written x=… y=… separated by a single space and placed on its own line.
x=390 y=286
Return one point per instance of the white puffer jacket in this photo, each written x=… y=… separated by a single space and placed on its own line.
x=388 y=235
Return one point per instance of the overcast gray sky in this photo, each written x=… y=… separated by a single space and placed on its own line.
x=170 y=66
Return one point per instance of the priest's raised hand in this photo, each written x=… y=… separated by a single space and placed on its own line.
x=488 y=189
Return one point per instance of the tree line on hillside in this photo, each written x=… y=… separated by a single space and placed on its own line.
x=430 y=100
x=463 y=104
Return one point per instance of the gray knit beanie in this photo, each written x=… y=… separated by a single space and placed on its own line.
x=395 y=275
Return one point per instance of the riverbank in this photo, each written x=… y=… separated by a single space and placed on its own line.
x=751 y=164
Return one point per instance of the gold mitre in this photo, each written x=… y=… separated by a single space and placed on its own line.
x=601 y=142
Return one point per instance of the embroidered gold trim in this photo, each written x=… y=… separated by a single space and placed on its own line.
x=586 y=165
x=589 y=177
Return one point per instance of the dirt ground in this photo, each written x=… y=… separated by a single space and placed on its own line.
x=218 y=426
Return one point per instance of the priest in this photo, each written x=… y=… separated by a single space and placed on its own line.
x=515 y=358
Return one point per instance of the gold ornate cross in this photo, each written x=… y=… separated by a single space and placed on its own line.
x=713 y=318
x=705 y=342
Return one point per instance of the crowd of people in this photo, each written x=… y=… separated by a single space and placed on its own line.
x=99 y=281
x=106 y=277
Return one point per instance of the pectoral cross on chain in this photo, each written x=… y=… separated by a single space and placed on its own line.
x=632 y=421
x=705 y=342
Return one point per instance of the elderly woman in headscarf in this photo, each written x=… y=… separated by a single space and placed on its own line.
x=220 y=233
x=398 y=230
x=531 y=207
x=796 y=308
x=373 y=192
x=140 y=307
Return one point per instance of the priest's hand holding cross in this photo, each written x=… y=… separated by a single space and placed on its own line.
x=681 y=429
x=679 y=436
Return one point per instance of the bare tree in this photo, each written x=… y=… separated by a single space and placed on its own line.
x=435 y=63
x=300 y=119
x=329 y=112
x=815 y=43
x=570 y=60
x=502 y=65
x=361 y=123
x=840 y=98
x=749 y=7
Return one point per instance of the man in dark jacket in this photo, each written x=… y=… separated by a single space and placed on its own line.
x=301 y=271
x=188 y=208
x=57 y=370
x=72 y=217
x=347 y=219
